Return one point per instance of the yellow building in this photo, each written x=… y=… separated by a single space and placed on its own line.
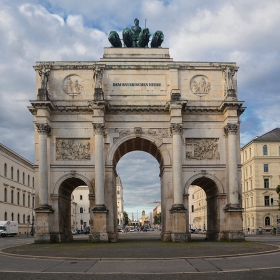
x=200 y=208
x=260 y=160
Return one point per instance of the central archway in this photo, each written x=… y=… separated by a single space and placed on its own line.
x=155 y=148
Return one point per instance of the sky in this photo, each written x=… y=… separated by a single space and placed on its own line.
x=245 y=32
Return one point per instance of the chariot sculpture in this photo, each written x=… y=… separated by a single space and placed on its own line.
x=135 y=37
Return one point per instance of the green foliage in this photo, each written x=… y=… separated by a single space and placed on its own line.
x=125 y=218
x=278 y=191
x=157 y=219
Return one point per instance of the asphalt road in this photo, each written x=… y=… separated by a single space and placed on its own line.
x=257 y=266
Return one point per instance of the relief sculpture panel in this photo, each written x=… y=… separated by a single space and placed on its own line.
x=72 y=85
x=206 y=148
x=160 y=132
x=72 y=149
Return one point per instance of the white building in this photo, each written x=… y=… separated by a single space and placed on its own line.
x=16 y=188
x=80 y=212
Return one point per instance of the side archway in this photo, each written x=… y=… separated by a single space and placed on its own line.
x=211 y=208
x=70 y=181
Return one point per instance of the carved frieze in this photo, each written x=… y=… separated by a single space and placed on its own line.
x=72 y=149
x=159 y=132
x=72 y=85
x=200 y=85
x=43 y=128
x=206 y=148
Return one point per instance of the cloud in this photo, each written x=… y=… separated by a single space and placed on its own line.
x=43 y=30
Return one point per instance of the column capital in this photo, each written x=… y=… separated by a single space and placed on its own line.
x=176 y=128
x=99 y=128
x=43 y=128
x=231 y=128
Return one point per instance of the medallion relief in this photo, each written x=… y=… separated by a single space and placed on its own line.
x=206 y=148
x=200 y=85
x=72 y=149
x=72 y=85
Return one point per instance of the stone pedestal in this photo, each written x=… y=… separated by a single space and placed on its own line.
x=233 y=230
x=43 y=225
x=99 y=233
x=179 y=224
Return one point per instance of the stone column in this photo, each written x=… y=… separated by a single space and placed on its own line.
x=43 y=130
x=231 y=131
x=99 y=165
x=177 y=165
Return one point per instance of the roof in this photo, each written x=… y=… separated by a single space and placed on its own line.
x=271 y=136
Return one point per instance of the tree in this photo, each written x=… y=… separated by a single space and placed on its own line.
x=125 y=218
x=157 y=219
x=278 y=191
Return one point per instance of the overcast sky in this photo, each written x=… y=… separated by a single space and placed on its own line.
x=245 y=32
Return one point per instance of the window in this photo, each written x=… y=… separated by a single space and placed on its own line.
x=12 y=173
x=252 y=204
x=32 y=182
x=81 y=197
x=266 y=200
x=5 y=195
x=12 y=196
x=18 y=218
x=5 y=216
x=81 y=210
x=267 y=221
x=246 y=172
x=265 y=167
x=23 y=199
x=18 y=175
x=251 y=170
x=251 y=183
x=265 y=150
x=12 y=216
x=192 y=208
x=23 y=178
x=28 y=180
x=253 y=221
x=247 y=186
x=246 y=155
x=271 y=201
x=250 y=153
x=28 y=200
x=33 y=202
x=5 y=169
x=23 y=218
x=18 y=198
x=266 y=183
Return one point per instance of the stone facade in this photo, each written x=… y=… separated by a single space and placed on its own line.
x=17 y=189
x=260 y=176
x=185 y=114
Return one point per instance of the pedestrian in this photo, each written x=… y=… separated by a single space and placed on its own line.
x=248 y=231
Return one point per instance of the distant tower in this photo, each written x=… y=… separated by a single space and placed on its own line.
x=143 y=217
x=132 y=217
x=120 y=201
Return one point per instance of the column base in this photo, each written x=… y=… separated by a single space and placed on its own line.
x=42 y=234
x=165 y=236
x=100 y=237
x=232 y=236
x=180 y=237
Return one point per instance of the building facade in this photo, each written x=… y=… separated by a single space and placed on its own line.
x=260 y=160
x=16 y=189
x=80 y=197
x=200 y=208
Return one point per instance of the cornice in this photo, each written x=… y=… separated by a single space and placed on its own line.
x=141 y=108
x=16 y=156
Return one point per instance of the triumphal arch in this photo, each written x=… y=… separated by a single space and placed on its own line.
x=88 y=114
